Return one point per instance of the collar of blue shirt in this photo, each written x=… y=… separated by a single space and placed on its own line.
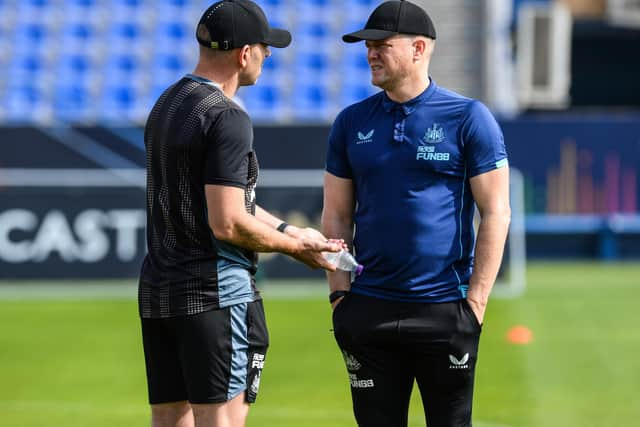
x=409 y=106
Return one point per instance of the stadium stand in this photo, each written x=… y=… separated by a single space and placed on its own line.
x=58 y=56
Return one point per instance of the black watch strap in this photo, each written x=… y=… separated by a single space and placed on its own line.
x=333 y=296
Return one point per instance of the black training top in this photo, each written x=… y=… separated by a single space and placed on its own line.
x=194 y=136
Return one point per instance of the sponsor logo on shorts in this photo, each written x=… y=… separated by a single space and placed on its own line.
x=358 y=383
x=255 y=384
x=461 y=363
x=351 y=362
x=258 y=361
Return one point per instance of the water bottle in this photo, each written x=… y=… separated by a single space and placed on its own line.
x=343 y=260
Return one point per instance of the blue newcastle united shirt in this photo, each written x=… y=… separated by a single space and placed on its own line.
x=410 y=165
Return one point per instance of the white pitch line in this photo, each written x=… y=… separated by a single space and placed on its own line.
x=136 y=177
x=29 y=291
x=128 y=289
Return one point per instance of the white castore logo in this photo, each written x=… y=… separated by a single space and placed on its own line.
x=255 y=385
x=459 y=363
x=363 y=139
x=351 y=362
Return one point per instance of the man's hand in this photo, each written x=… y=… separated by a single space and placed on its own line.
x=311 y=234
x=310 y=252
x=478 y=306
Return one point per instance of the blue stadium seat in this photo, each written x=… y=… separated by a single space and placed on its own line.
x=271 y=3
x=154 y=92
x=312 y=102
x=352 y=93
x=88 y=12
x=27 y=66
x=31 y=34
x=355 y=67
x=128 y=31
x=167 y=68
x=82 y=3
x=35 y=6
x=130 y=11
x=42 y=12
x=77 y=35
x=359 y=8
x=125 y=69
x=318 y=11
x=117 y=102
x=315 y=66
x=278 y=12
x=79 y=38
x=77 y=68
x=263 y=102
x=177 y=10
x=362 y=3
x=357 y=61
x=26 y=103
x=314 y=36
x=127 y=37
x=276 y=63
x=73 y=102
x=314 y=62
x=129 y=3
x=171 y=35
x=122 y=64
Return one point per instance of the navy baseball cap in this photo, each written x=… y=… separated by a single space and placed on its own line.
x=230 y=24
x=394 y=17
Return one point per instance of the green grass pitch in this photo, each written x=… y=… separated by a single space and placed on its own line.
x=76 y=360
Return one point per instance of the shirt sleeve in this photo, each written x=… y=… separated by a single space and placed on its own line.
x=230 y=142
x=337 y=160
x=483 y=141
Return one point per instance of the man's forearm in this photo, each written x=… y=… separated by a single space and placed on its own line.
x=268 y=218
x=249 y=232
x=492 y=234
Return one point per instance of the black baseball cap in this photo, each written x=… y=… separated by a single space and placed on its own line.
x=394 y=17
x=230 y=24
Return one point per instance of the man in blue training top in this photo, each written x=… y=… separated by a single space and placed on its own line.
x=404 y=168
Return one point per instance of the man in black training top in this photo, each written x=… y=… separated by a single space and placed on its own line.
x=203 y=325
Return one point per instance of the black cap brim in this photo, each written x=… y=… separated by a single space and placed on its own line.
x=278 y=38
x=367 y=34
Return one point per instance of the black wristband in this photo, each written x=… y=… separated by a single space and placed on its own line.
x=282 y=226
x=333 y=296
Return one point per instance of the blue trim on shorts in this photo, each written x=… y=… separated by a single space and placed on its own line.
x=234 y=284
x=239 y=350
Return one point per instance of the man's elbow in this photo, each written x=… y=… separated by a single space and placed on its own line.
x=506 y=217
x=330 y=222
x=223 y=230
x=499 y=215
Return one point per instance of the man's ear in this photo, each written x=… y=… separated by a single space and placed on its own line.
x=243 y=55
x=419 y=48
